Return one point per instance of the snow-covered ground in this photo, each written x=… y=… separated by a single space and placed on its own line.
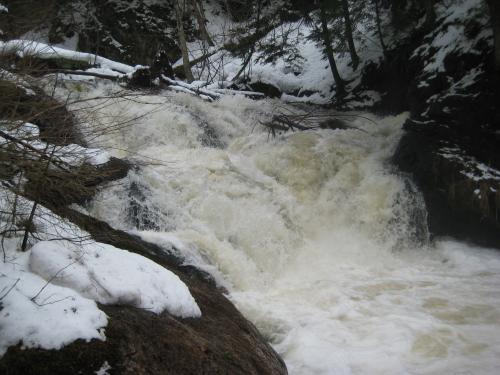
x=303 y=74
x=48 y=293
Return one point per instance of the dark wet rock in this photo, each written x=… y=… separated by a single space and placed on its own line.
x=209 y=138
x=79 y=184
x=140 y=214
x=112 y=170
x=161 y=65
x=462 y=200
x=306 y=93
x=267 y=89
x=29 y=103
x=140 y=342
x=141 y=78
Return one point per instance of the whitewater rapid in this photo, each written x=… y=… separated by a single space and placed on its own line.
x=317 y=239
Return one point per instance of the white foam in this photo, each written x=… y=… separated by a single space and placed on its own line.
x=316 y=239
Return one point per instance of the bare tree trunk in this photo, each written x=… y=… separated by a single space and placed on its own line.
x=179 y=13
x=29 y=223
x=329 y=52
x=379 y=27
x=200 y=18
x=348 y=32
x=252 y=48
x=495 y=24
x=228 y=9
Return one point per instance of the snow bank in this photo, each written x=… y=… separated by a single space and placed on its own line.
x=48 y=293
x=56 y=317
x=112 y=276
x=302 y=74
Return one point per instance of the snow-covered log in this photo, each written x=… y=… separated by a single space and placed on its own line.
x=23 y=48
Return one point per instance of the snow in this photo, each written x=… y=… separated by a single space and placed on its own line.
x=112 y=276
x=471 y=167
x=451 y=37
x=48 y=294
x=3 y=9
x=104 y=369
x=306 y=71
x=17 y=80
x=57 y=317
x=71 y=154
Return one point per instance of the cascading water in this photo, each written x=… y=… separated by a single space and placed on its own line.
x=319 y=242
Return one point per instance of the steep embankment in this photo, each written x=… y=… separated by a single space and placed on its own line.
x=135 y=340
x=444 y=76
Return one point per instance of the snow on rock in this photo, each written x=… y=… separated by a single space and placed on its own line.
x=3 y=9
x=48 y=294
x=451 y=36
x=104 y=369
x=56 y=317
x=113 y=276
x=71 y=154
x=471 y=167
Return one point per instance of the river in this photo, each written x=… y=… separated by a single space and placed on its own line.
x=318 y=240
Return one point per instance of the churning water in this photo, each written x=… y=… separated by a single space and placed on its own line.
x=318 y=240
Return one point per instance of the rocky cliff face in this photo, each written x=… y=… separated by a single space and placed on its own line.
x=444 y=75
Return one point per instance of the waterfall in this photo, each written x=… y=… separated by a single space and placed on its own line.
x=317 y=239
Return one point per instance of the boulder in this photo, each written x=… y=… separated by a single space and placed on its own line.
x=267 y=89
x=462 y=194
x=139 y=342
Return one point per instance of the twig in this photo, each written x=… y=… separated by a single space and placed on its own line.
x=33 y=299
x=12 y=287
